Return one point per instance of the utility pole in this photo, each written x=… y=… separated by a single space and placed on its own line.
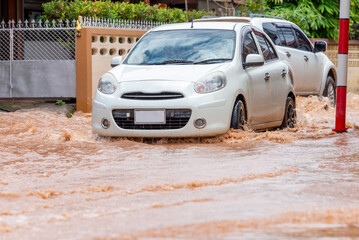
x=207 y=6
x=185 y=2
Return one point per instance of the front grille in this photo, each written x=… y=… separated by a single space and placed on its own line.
x=175 y=119
x=152 y=96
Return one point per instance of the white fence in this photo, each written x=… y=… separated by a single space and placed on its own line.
x=38 y=60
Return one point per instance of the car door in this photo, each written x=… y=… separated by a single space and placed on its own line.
x=276 y=70
x=312 y=68
x=290 y=52
x=259 y=89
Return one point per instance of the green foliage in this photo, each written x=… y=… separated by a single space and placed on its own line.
x=317 y=18
x=196 y=14
x=64 y=9
x=71 y=112
x=251 y=6
x=59 y=102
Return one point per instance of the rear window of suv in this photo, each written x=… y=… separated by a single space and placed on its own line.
x=281 y=34
x=271 y=30
x=287 y=35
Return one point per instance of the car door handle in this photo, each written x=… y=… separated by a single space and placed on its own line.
x=288 y=54
x=266 y=76
x=284 y=73
x=306 y=58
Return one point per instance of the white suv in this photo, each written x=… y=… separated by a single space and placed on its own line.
x=311 y=70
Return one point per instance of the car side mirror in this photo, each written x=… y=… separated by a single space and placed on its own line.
x=254 y=60
x=320 y=46
x=116 y=61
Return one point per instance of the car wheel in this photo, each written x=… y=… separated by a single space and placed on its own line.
x=290 y=116
x=239 y=117
x=330 y=91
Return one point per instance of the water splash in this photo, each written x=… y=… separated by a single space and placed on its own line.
x=315 y=120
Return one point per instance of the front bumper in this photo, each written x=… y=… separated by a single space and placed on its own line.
x=214 y=107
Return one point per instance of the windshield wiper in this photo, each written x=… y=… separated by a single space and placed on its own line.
x=177 y=61
x=213 y=60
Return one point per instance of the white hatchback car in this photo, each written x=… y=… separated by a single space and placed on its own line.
x=195 y=79
x=312 y=71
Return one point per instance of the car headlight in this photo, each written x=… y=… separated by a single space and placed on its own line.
x=210 y=83
x=107 y=84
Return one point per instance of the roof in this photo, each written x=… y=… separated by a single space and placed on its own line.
x=260 y=20
x=224 y=19
x=255 y=19
x=226 y=25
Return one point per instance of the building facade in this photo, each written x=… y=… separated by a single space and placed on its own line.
x=20 y=9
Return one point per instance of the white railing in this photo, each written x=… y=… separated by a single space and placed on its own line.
x=32 y=24
x=119 y=23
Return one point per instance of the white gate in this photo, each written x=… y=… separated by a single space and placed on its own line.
x=38 y=60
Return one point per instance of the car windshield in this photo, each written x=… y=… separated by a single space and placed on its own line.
x=184 y=47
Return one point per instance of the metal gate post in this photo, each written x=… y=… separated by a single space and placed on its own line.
x=11 y=58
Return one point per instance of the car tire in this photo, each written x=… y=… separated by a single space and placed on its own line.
x=330 y=91
x=290 y=116
x=239 y=116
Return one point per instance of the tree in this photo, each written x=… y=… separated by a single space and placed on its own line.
x=250 y=6
x=317 y=18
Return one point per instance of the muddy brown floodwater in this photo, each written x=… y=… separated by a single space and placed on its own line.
x=58 y=180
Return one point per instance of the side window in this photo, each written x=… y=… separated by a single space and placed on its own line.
x=248 y=46
x=303 y=42
x=281 y=36
x=289 y=36
x=271 y=30
x=267 y=49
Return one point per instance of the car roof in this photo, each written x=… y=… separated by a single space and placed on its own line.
x=260 y=20
x=224 y=19
x=225 y=25
x=256 y=20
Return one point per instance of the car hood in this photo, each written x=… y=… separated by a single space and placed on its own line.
x=188 y=73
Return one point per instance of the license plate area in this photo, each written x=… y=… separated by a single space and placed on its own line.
x=150 y=116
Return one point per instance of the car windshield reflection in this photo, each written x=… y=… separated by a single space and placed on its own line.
x=184 y=47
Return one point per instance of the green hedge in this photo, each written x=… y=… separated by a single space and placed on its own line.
x=64 y=9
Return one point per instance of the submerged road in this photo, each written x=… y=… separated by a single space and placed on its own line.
x=58 y=180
